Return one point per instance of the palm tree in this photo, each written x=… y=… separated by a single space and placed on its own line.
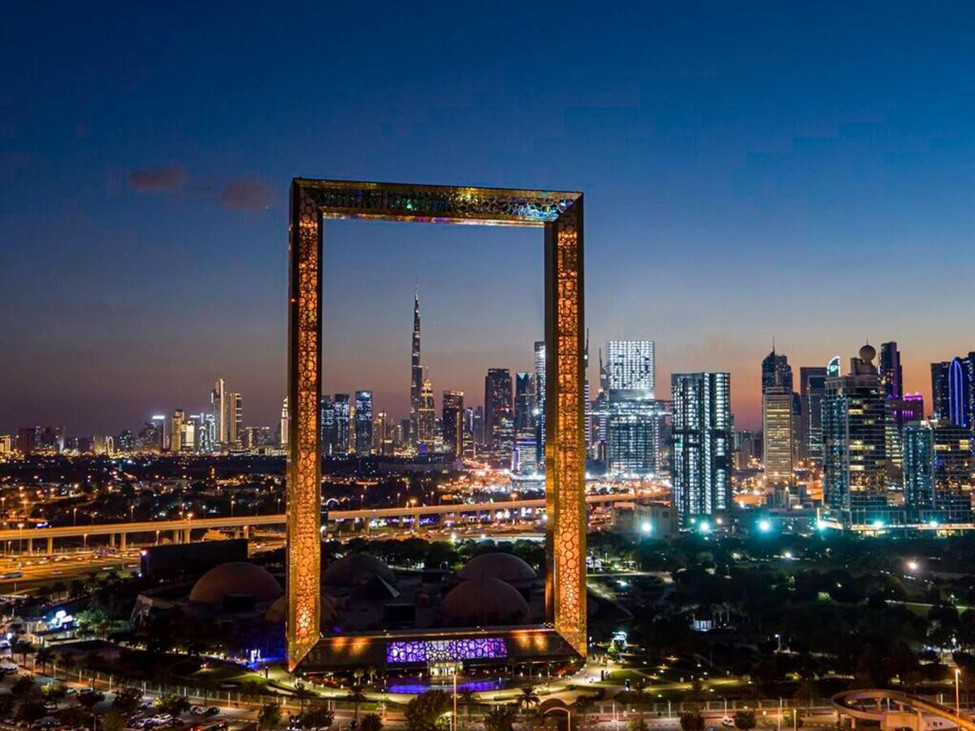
x=357 y=695
x=528 y=700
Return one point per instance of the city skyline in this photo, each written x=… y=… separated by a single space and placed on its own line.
x=746 y=171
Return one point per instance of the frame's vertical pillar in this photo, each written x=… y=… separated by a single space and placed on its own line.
x=565 y=449
x=304 y=428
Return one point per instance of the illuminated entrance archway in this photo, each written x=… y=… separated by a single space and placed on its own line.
x=560 y=216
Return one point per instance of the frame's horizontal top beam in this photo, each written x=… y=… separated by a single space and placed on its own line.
x=435 y=203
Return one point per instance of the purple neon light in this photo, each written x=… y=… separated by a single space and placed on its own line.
x=426 y=651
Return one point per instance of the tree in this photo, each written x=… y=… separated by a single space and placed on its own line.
x=90 y=698
x=584 y=705
x=357 y=695
x=75 y=717
x=528 y=700
x=745 y=720
x=427 y=711
x=371 y=722
x=691 y=721
x=269 y=716
x=113 y=721
x=500 y=718
x=317 y=717
x=127 y=700
x=468 y=699
x=30 y=711
x=54 y=692
x=44 y=657
x=637 y=724
x=24 y=688
x=22 y=648
x=173 y=704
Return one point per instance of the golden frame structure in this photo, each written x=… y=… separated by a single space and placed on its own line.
x=560 y=215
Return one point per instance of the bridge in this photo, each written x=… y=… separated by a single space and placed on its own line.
x=184 y=529
x=895 y=710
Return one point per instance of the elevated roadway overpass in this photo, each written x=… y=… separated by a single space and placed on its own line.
x=892 y=710
x=26 y=539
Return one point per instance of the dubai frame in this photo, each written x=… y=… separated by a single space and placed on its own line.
x=559 y=214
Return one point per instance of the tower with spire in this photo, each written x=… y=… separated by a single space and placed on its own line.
x=416 y=382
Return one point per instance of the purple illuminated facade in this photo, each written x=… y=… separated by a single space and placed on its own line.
x=431 y=651
x=907 y=409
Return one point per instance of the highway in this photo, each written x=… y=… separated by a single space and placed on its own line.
x=26 y=539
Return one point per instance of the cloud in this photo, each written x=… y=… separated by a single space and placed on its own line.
x=158 y=180
x=246 y=195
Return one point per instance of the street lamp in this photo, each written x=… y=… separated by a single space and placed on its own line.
x=957 y=696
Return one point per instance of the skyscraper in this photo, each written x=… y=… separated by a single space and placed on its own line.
x=329 y=428
x=630 y=366
x=235 y=419
x=416 y=377
x=343 y=423
x=218 y=407
x=498 y=414
x=953 y=389
x=777 y=422
x=283 y=424
x=176 y=432
x=812 y=388
x=776 y=371
x=452 y=422
x=938 y=472
x=363 y=423
x=524 y=405
x=854 y=442
x=703 y=433
x=426 y=419
x=540 y=405
x=891 y=373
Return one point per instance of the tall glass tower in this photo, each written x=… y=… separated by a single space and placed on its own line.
x=416 y=376
x=703 y=433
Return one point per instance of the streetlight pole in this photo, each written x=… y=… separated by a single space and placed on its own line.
x=957 y=696
x=455 y=698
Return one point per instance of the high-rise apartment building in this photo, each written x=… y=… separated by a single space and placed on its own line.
x=499 y=429
x=633 y=417
x=525 y=399
x=218 y=407
x=283 y=424
x=363 y=423
x=703 y=433
x=938 y=472
x=452 y=422
x=176 y=431
x=855 y=465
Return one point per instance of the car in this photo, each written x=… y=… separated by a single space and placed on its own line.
x=197 y=710
x=727 y=722
x=211 y=711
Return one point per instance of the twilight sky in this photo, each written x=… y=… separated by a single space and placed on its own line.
x=751 y=170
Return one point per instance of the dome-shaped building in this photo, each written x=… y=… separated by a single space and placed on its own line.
x=504 y=566
x=489 y=602
x=277 y=613
x=355 y=570
x=235 y=579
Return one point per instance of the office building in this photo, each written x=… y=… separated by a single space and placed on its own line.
x=938 y=472
x=219 y=410
x=540 y=405
x=630 y=366
x=953 y=390
x=703 y=432
x=812 y=389
x=363 y=423
x=890 y=371
x=633 y=446
x=235 y=420
x=498 y=412
x=855 y=466
x=452 y=422
x=45 y=440
x=776 y=371
x=525 y=405
x=343 y=405
x=283 y=424
x=426 y=419
x=777 y=422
